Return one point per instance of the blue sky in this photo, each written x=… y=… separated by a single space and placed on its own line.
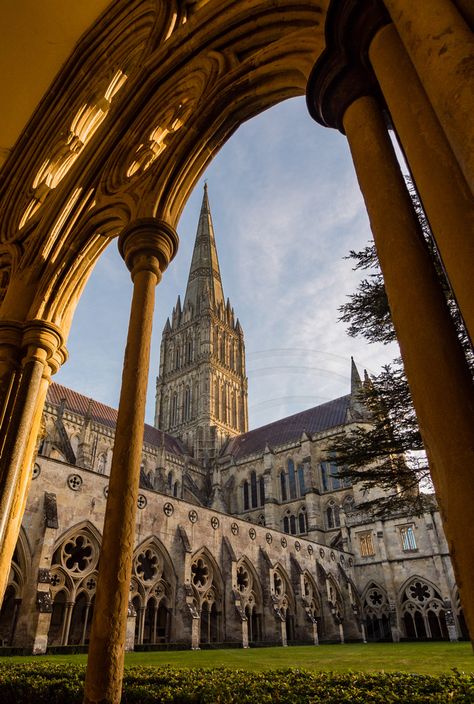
x=286 y=209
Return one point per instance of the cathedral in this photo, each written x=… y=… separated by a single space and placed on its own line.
x=243 y=537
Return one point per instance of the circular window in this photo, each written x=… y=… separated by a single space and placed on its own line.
x=234 y=528
x=297 y=546
x=269 y=538
x=215 y=522
x=36 y=471
x=168 y=509
x=141 y=501
x=193 y=516
x=284 y=542
x=252 y=533
x=74 y=482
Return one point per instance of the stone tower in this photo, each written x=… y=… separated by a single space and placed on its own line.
x=201 y=390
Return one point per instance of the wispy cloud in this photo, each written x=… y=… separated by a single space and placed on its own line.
x=286 y=209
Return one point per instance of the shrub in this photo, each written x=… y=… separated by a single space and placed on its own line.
x=49 y=683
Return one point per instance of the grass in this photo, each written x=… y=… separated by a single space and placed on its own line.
x=422 y=658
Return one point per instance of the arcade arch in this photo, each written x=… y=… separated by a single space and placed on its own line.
x=135 y=173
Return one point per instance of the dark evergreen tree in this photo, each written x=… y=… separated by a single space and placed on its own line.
x=388 y=452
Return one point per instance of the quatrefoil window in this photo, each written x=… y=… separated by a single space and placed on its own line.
x=200 y=572
x=147 y=565
x=243 y=579
x=78 y=554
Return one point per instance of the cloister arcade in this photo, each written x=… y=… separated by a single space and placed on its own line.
x=114 y=149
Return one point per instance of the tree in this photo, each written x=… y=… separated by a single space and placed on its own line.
x=388 y=452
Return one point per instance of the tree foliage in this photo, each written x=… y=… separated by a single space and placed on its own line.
x=388 y=452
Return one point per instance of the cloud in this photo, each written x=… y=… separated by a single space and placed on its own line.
x=286 y=209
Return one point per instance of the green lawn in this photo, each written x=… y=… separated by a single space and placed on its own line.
x=423 y=658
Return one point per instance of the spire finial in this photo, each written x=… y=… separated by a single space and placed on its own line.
x=356 y=383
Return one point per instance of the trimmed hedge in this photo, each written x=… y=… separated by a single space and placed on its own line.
x=50 y=683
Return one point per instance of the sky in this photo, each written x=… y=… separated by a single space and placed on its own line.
x=286 y=209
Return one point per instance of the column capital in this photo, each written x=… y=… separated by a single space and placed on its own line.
x=11 y=332
x=45 y=336
x=343 y=72
x=148 y=244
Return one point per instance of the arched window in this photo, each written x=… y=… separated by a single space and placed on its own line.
x=292 y=525
x=224 y=405
x=189 y=350
x=333 y=519
x=284 y=495
x=253 y=489
x=216 y=399
x=170 y=481
x=292 y=479
x=177 y=358
x=174 y=409
x=187 y=403
x=176 y=489
x=286 y=524
x=302 y=524
x=231 y=361
x=246 y=496
x=223 y=349
x=301 y=484
x=102 y=462
x=261 y=484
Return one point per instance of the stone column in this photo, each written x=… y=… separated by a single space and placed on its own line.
x=441 y=47
x=342 y=93
x=148 y=245
x=10 y=356
x=445 y=195
x=439 y=379
x=42 y=343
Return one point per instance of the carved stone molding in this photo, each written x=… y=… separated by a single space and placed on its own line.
x=343 y=72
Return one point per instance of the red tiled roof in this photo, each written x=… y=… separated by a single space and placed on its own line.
x=105 y=415
x=314 y=420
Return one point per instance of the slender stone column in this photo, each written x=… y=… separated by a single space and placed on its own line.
x=147 y=246
x=42 y=342
x=441 y=47
x=10 y=357
x=445 y=195
x=439 y=379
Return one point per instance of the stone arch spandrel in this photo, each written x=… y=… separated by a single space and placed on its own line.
x=258 y=63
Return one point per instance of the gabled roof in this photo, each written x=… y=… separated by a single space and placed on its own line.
x=105 y=415
x=314 y=420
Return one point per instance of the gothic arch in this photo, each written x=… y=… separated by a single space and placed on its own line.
x=376 y=612
x=73 y=584
x=422 y=609
x=208 y=589
x=18 y=577
x=153 y=591
x=251 y=598
x=223 y=81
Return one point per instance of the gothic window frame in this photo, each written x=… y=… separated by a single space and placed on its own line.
x=283 y=486
x=292 y=480
x=366 y=543
x=332 y=515
x=408 y=537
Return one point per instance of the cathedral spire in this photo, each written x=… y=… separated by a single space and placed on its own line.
x=204 y=278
